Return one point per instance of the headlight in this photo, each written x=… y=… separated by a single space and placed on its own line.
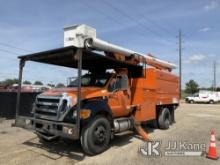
x=63 y=105
x=71 y=100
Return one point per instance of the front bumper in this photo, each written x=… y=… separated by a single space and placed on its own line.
x=48 y=129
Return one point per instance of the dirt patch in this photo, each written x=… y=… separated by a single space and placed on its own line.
x=2 y=119
x=3 y=132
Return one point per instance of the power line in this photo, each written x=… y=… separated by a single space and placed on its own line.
x=214 y=75
x=131 y=18
x=15 y=47
x=141 y=34
x=88 y=5
x=154 y=23
x=3 y=50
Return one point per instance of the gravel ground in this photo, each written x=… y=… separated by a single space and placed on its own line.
x=193 y=125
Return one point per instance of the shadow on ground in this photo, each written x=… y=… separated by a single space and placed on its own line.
x=73 y=150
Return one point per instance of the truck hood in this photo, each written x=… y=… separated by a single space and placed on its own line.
x=86 y=92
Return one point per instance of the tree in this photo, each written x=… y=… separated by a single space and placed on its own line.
x=218 y=89
x=38 y=83
x=27 y=82
x=60 y=85
x=9 y=82
x=191 y=87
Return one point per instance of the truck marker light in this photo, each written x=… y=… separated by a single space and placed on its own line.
x=85 y=113
x=103 y=91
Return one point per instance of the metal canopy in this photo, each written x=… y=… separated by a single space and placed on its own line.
x=67 y=57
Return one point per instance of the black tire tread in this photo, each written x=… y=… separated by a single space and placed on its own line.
x=86 y=136
x=161 y=118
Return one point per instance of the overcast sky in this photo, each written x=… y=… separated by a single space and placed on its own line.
x=146 y=26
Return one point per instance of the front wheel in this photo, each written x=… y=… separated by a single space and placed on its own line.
x=191 y=102
x=95 y=137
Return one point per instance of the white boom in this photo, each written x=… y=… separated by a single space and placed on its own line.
x=84 y=36
x=98 y=44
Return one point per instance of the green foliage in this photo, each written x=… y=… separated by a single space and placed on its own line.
x=60 y=85
x=192 y=87
x=38 y=83
x=27 y=82
x=9 y=82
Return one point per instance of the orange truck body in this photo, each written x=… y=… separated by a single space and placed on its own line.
x=127 y=97
x=156 y=88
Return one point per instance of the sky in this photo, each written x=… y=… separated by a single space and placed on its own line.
x=146 y=26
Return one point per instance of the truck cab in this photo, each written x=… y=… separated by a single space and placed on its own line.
x=110 y=88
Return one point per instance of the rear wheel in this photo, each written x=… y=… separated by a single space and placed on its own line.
x=211 y=102
x=191 y=102
x=95 y=137
x=164 y=118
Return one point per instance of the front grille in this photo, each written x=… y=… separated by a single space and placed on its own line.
x=48 y=106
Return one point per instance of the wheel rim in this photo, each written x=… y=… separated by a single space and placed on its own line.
x=100 y=135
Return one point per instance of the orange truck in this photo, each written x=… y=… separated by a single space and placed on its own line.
x=119 y=91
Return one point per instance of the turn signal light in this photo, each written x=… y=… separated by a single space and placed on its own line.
x=85 y=113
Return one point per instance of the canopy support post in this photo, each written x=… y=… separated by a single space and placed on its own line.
x=21 y=66
x=79 y=63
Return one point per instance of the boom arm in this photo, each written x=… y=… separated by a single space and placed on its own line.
x=98 y=44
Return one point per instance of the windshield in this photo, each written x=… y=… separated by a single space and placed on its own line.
x=91 y=79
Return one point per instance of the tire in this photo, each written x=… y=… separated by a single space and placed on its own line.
x=164 y=118
x=95 y=137
x=191 y=101
x=211 y=102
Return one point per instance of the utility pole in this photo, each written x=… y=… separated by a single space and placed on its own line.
x=180 y=62
x=214 y=76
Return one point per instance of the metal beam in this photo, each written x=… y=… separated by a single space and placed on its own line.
x=21 y=66
x=79 y=58
x=180 y=64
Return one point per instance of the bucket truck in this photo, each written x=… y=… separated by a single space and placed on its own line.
x=120 y=90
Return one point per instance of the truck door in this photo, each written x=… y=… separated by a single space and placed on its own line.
x=203 y=97
x=196 y=98
x=120 y=98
